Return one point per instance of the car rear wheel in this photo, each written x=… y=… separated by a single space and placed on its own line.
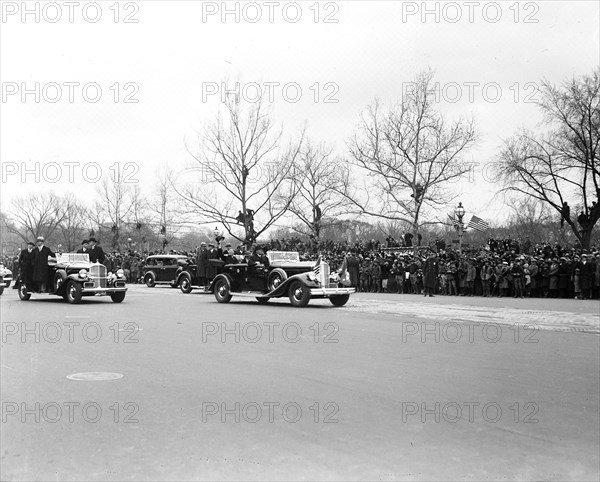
x=339 y=300
x=1 y=290
x=299 y=294
x=74 y=293
x=150 y=280
x=23 y=294
x=185 y=285
x=118 y=296
x=222 y=293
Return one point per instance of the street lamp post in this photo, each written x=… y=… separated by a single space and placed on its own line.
x=460 y=228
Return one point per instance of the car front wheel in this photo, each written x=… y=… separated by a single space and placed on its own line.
x=1 y=290
x=74 y=293
x=150 y=280
x=222 y=293
x=339 y=300
x=185 y=285
x=299 y=294
x=118 y=296
x=23 y=294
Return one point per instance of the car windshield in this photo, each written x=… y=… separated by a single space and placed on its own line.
x=289 y=256
x=73 y=258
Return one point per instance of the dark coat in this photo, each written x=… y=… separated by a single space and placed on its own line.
x=97 y=254
x=353 y=268
x=211 y=270
x=26 y=262
x=430 y=272
x=587 y=275
x=201 y=263
x=40 y=264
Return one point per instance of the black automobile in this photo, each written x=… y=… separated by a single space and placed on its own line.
x=163 y=269
x=72 y=276
x=285 y=276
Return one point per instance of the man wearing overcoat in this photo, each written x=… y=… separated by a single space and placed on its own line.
x=40 y=263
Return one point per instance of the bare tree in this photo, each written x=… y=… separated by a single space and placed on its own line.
x=36 y=215
x=409 y=155
x=320 y=184
x=162 y=206
x=562 y=164
x=118 y=199
x=241 y=167
x=73 y=223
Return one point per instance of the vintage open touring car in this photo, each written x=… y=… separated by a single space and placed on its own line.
x=286 y=275
x=72 y=276
x=5 y=278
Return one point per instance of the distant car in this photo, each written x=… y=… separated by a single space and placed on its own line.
x=286 y=275
x=5 y=278
x=72 y=276
x=163 y=269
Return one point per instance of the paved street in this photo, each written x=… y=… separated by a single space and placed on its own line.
x=390 y=387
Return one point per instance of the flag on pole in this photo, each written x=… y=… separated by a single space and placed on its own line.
x=478 y=224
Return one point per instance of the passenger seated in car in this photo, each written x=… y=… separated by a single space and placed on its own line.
x=258 y=258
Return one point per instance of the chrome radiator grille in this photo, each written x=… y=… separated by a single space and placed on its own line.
x=323 y=274
x=98 y=273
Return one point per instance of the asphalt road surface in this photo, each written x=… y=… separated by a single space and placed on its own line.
x=390 y=387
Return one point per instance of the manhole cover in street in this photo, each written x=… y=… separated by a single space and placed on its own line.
x=94 y=376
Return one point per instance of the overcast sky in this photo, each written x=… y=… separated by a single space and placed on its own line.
x=163 y=70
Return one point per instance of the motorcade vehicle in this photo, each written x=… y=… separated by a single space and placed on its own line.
x=73 y=276
x=285 y=275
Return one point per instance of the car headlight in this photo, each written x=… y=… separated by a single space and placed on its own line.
x=120 y=273
x=83 y=273
x=311 y=276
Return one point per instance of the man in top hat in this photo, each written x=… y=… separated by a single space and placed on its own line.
x=85 y=246
x=40 y=263
x=26 y=261
x=96 y=252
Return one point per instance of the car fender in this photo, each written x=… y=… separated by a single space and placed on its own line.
x=74 y=277
x=282 y=289
x=224 y=276
x=150 y=271
x=183 y=274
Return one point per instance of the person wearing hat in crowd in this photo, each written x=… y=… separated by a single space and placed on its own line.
x=202 y=263
x=430 y=274
x=553 y=274
x=587 y=276
x=85 y=246
x=96 y=252
x=40 y=263
x=26 y=261
x=564 y=276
